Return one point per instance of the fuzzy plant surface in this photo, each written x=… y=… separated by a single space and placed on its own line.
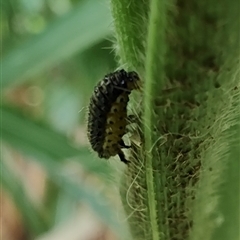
x=187 y=55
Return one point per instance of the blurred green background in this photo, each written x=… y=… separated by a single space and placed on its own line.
x=54 y=187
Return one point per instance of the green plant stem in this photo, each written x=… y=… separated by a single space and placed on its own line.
x=170 y=189
x=154 y=77
x=130 y=30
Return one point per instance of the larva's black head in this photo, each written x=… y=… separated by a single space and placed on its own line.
x=129 y=76
x=127 y=80
x=109 y=102
x=133 y=76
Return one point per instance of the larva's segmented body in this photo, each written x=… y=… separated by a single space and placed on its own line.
x=107 y=117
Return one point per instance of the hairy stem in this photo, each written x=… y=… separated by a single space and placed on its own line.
x=191 y=88
x=154 y=80
x=130 y=18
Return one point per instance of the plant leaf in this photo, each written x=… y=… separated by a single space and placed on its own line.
x=76 y=31
x=46 y=145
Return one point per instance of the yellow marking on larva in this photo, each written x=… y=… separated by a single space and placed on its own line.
x=116 y=125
